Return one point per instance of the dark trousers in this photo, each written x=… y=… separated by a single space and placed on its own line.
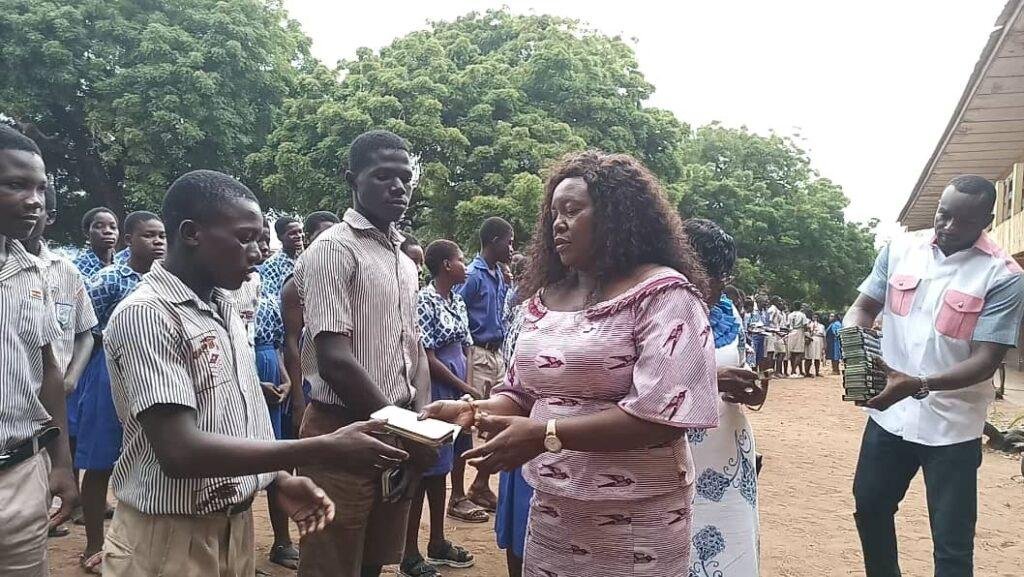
x=887 y=465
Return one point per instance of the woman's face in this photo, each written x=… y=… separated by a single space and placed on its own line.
x=103 y=232
x=457 y=268
x=572 y=211
x=264 y=244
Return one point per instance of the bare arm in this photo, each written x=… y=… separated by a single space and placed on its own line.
x=186 y=452
x=80 y=355
x=291 y=314
x=863 y=312
x=421 y=380
x=345 y=376
x=62 y=482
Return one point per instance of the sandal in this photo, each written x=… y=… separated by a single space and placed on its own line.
x=488 y=503
x=465 y=510
x=450 y=555
x=285 y=555
x=417 y=567
x=93 y=564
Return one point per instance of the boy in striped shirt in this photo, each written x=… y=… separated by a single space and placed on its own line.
x=198 y=444
x=31 y=382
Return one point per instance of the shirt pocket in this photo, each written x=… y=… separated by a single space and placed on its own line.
x=34 y=316
x=902 y=289
x=958 y=314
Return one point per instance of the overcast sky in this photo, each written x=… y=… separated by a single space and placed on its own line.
x=867 y=86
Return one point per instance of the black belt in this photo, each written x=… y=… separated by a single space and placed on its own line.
x=493 y=347
x=28 y=448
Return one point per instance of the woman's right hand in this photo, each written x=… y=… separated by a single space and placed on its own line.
x=460 y=413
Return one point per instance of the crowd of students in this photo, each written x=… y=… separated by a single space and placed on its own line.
x=604 y=375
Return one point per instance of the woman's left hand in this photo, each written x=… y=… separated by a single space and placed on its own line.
x=518 y=440
x=741 y=386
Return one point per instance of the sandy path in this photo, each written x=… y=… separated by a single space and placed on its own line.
x=810 y=441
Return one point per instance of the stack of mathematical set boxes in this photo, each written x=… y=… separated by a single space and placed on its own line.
x=862 y=379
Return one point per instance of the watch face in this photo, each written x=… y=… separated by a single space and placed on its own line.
x=552 y=444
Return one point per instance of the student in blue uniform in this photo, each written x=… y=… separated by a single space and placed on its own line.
x=101 y=229
x=99 y=436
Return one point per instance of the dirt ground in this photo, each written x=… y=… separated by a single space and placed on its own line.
x=810 y=440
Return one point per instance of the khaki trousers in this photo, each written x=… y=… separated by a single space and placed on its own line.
x=215 y=545
x=486 y=369
x=24 y=517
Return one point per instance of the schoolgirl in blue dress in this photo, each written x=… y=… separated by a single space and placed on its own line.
x=444 y=331
x=99 y=430
x=101 y=231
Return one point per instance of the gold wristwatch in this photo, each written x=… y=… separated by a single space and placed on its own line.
x=551 y=441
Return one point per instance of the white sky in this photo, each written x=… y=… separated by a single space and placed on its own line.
x=867 y=86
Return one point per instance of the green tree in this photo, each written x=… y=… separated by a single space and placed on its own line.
x=124 y=95
x=791 y=234
x=486 y=102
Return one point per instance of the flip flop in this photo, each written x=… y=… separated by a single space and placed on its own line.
x=474 y=514
x=58 y=531
x=285 y=555
x=93 y=564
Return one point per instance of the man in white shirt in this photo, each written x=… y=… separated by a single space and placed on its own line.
x=951 y=307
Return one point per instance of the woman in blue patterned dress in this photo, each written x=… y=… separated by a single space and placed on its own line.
x=833 y=350
x=100 y=228
x=444 y=330
x=99 y=434
x=725 y=518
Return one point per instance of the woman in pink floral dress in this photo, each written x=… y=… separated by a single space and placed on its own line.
x=614 y=361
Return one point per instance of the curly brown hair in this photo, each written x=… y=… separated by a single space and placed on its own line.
x=634 y=224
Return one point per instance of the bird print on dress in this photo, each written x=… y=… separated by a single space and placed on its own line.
x=549 y=362
x=673 y=338
x=623 y=361
x=678 y=515
x=615 y=520
x=548 y=510
x=615 y=481
x=673 y=406
x=553 y=472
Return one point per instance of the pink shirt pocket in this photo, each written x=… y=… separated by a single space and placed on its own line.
x=958 y=314
x=902 y=288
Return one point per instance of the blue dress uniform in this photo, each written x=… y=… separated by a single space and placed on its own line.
x=269 y=337
x=99 y=430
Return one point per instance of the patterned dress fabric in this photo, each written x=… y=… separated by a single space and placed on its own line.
x=88 y=263
x=725 y=539
x=444 y=329
x=650 y=353
x=274 y=272
x=99 y=430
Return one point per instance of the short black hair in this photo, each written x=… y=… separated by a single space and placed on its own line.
x=11 y=139
x=797 y=305
x=136 y=218
x=437 y=252
x=715 y=247
x=50 y=198
x=410 y=241
x=494 y=228
x=91 y=215
x=194 y=193
x=315 y=219
x=281 y=225
x=362 y=148
x=974 y=184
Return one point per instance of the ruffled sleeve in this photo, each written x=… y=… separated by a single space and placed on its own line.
x=674 y=378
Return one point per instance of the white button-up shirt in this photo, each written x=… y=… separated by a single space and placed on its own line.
x=935 y=307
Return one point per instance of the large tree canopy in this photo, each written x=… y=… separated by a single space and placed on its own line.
x=124 y=95
x=486 y=102
x=791 y=235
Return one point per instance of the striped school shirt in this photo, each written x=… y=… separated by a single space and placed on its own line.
x=27 y=323
x=70 y=302
x=355 y=281
x=164 y=346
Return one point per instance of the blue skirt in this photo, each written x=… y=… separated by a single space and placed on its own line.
x=452 y=356
x=99 y=430
x=269 y=370
x=514 y=495
x=758 y=341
